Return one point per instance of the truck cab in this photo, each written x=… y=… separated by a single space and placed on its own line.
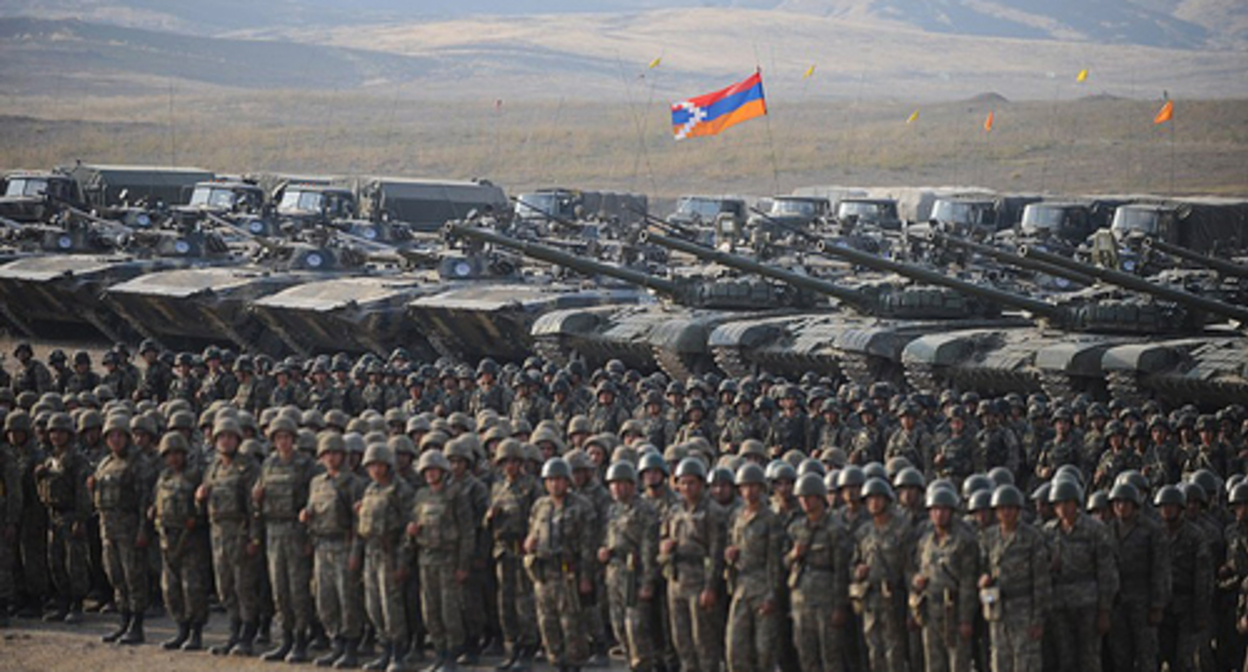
x=33 y=196
x=310 y=201
x=881 y=212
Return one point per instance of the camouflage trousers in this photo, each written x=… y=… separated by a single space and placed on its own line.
x=31 y=574
x=125 y=564
x=289 y=556
x=752 y=636
x=237 y=573
x=1078 y=642
x=820 y=644
x=516 y=610
x=476 y=591
x=68 y=560
x=1180 y=642
x=1132 y=640
x=944 y=649
x=339 y=600
x=560 y=618
x=630 y=618
x=1013 y=649
x=441 y=605
x=383 y=595
x=884 y=628
x=697 y=633
x=183 y=574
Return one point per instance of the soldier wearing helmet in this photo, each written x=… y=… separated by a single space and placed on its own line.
x=330 y=520
x=818 y=578
x=506 y=521
x=1015 y=584
x=61 y=485
x=461 y=453
x=754 y=557
x=31 y=374
x=883 y=549
x=658 y=426
x=218 y=382
x=607 y=414
x=1189 y=613
x=1117 y=456
x=153 y=383
x=530 y=403
x=560 y=548
x=1143 y=565
x=629 y=552
x=911 y=439
x=381 y=521
x=184 y=384
x=1084 y=589
x=83 y=377
x=586 y=484
x=185 y=552
x=226 y=494
x=944 y=599
x=488 y=393
x=696 y=423
x=791 y=428
x=1063 y=448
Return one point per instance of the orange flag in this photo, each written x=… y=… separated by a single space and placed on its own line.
x=988 y=122
x=1166 y=113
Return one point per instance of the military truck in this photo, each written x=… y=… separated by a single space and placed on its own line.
x=546 y=205
x=425 y=205
x=881 y=212
x=1200 y=225
x=106 y=186
x=33 y=196
x=303 y=201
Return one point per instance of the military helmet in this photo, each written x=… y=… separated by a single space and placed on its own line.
x=117 y=422
x=779 y=470
x=579 y=424
x=750 y=473
x=974 y=483
x=172 y=441
x=1194 y=492
x=226 y=425
x=1007 y=495
x=1239 y=494
x=691 y=466
x=942 y=497
x=578 y=459
x=1134 y=478
x=851 y=475
x=1097 y=501
x=401 y=444
x=908 y=477
x=1169 y=494
x=811 y=466
x=752 y=447
x=1126 y=492
x=1041 y=493
x=1001 y=476
x=17 y=421
x=282 y=424
x=875 y=470
x=652 y=461
x=980 y=501
x=621 y=471
x=556 y=467
x=1069 y=471
x=1065 y=491
x=877 y=487
x=329 y=442
x=720 y=475
x=379 y=452
x=508 y=449
x=90 y=420
x=811 y=485
x=432 y=459
x=1207 y=481
x=460 y=447
x=58 y=421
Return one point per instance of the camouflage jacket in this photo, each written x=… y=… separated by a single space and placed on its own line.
x=1085 y=571
x=1019 y=565
x=700 y=532
x=1143 y=561
x=757 y=573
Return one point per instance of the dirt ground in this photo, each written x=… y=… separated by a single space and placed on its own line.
x=35 y=646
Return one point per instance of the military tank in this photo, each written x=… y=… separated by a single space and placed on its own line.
x=56 y=293
x=193 y=307
x=668 y=331
x=1069 y=350
x=863 y=343
x=1223 y=267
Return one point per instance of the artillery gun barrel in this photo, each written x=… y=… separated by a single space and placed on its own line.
x=806 y=282
x=663 y=224
x=1007 y=257
x=561 y=258
x=931 y=277
x=1132 y=282
x=1222 y=266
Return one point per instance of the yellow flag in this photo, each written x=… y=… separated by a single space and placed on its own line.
x=1082 y=76
x=656 y=62
x=914 y=116
x=809 y=71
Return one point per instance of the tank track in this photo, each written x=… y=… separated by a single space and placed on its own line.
x=444 y=348
x=732 y=362
x=1125 y=385
x=1057 y=385
x=923 y=378
x=553 y=349
x=677 y=366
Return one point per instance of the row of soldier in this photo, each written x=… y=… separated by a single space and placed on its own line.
x=570 y=551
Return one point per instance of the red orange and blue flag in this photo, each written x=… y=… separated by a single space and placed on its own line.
x=711 y=113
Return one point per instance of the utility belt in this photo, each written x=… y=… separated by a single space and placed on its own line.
x=548 y=568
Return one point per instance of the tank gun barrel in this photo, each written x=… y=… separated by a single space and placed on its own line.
x=848 y=296
x=561 y=258
x=1222 y=266
x=932 y=277
x=1212 y=306
x=1007 y=257
x=662 y=224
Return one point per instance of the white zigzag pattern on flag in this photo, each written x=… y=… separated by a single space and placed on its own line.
x=696 y=116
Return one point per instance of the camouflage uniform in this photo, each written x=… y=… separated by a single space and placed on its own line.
x=790 y=432
x=31 y=544
x=563 y=555
x=632 y=532
x=383 y=513
x=951 y=568
x=1187 y=617
x=184 y=551
x=154 y=384
x=61 y=481
x=281 y=491
x=10 y=519
x=696 y=565
x=122 y=497
x=332 y=522
x=1018 y=565
x=507 y=522
x=819 y=582
x=444 y=544
x=957 y=457
x=755 y=578
x=888 y=552
x=997 y=446
x=1144 y=573
x=1085 y=580
x=916 y=445
x=32 y=376
x=230 y=516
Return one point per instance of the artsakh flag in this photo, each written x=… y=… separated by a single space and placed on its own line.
x=711 y=113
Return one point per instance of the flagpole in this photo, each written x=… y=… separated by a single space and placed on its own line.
x=1172 y=157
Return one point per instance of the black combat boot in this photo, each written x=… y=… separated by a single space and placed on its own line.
x=196 y=641
x=513 y=655
x=245 y=641
x=319 y=640
x=279 y=654
x=524 y=659
x=368 y=641
x=122 y=627
x=350 y=658
x=74 y=617
x=450 y=661
x=339 y=645
x=134 y=635
x=299 y=654
x=236 y=627
x=58 y=613
x=184 y=631
x=381 y=662
x=472 y=653
x=264 y=633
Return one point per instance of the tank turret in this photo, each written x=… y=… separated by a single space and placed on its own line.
x=1221 y=266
